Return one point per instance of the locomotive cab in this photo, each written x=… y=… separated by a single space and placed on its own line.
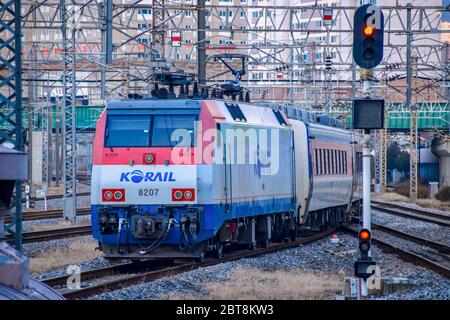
x=141 y=190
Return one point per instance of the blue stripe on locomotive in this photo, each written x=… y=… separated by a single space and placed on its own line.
x=211 y=218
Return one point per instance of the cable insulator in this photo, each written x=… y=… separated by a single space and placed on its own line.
x=195 y=89
x=247 y=96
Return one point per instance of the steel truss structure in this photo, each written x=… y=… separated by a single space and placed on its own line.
x=119 y=62
x=275 y=36
x=11 y=130
x=69 y=16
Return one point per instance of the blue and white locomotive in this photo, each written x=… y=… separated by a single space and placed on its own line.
x=181 y=177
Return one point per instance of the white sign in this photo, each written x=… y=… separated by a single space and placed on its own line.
x=175 y=38
x=327 y=16
x=143 y=184
x=40 y=193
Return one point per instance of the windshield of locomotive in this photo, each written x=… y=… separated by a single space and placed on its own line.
x=150 y=130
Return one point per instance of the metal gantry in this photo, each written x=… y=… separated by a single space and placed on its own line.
x=277 y=31
x=69 y=18
x=11 y=131
x=273 y=34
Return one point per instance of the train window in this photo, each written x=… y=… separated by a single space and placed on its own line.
x=316 y=163
x=331 y=162
x=127 y=131
x=336 y=162
x=328 y=162
x=173 y=130
x=322 y=161
x=340 y=162
x=319 y=162
x=345 y=162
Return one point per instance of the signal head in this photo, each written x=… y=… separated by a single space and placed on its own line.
x=364 y=242
x=368 y=34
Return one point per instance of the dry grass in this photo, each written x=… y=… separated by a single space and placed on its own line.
x=79 y=250
x=389 y=196
x=253 y=284
x=59 y=225
x=434 y=204
x=426 y=203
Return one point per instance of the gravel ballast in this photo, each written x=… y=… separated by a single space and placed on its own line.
x=321 y=257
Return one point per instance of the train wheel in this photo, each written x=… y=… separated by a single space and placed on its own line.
x=293 y=235
x=218 y=252
x=201 y=257
x=265 y=243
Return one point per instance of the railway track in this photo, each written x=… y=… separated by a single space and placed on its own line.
x=437 y=261
x=413 y=213
x=56 y=196
x=52 y=234
x=150 y=275
x=49 y=214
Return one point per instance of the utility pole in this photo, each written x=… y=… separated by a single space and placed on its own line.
x=69 y=109
x=11 y=130
x=107 y=43
x=368 y=45
x=413 y=111
x=201 y=50
x=32 y=99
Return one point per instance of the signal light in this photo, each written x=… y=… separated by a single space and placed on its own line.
x=364 y=234
x=368 y=31
x=368 y=36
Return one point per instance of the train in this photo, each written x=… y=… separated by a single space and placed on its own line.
x=176 y=177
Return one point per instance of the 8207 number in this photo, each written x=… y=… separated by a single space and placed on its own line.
x=148 y=192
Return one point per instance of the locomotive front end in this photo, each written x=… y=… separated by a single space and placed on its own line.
x=144 y=199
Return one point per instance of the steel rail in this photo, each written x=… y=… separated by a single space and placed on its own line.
x=406 y=254
x=172 y=270
x=52 y=234
x=49 y=214
x=413 y=213
x=132 y=266
x=407 y=236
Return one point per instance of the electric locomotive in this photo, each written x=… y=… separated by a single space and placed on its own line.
x=177 y=177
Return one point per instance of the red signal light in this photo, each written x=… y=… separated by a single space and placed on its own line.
x=364 y=234
x=368 y=31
